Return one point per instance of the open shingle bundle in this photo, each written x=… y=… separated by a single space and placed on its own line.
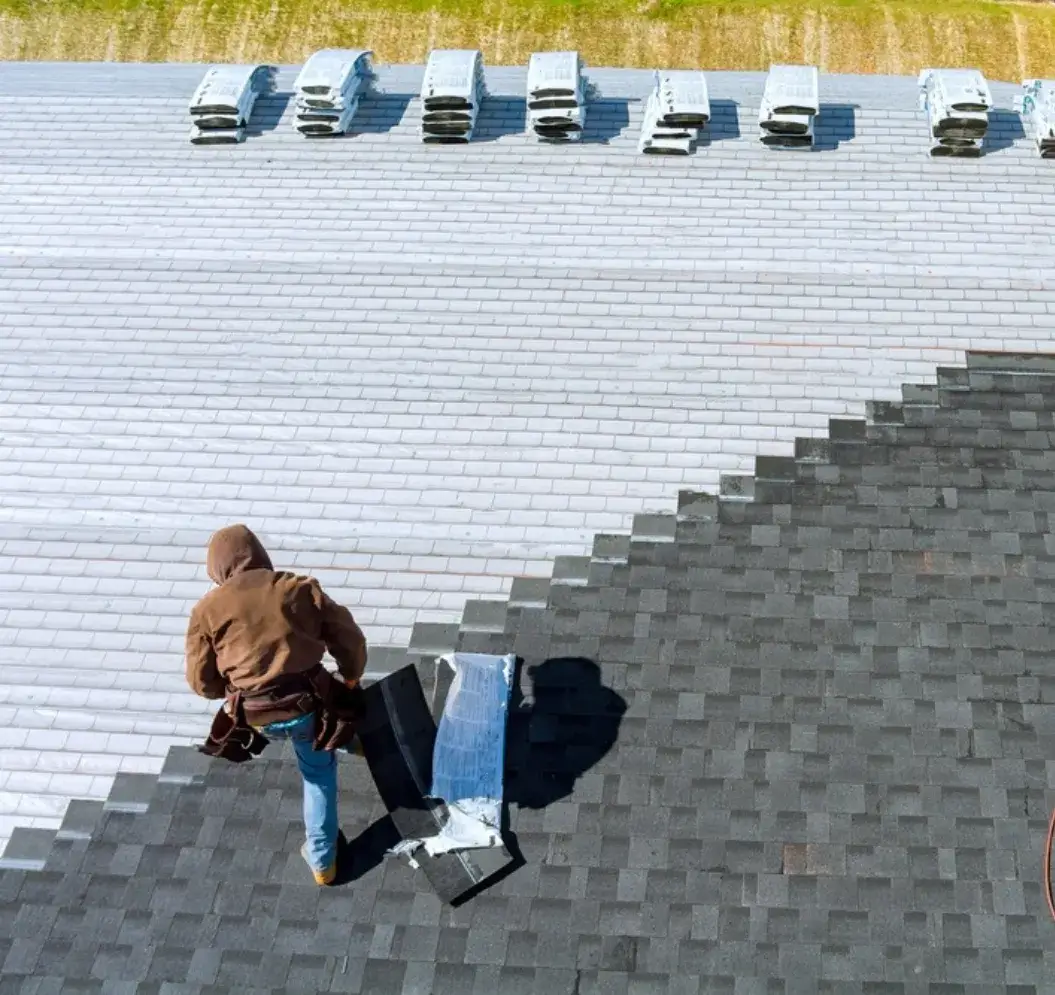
x=451 y=94
x=790 y=102
x=677 y=109
x=222 y=104
x=556 y=96
x=328 y=90
x=1037 y=106
x=957 y=102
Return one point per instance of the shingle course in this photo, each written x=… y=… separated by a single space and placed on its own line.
x=493 y=353
x=850 y=800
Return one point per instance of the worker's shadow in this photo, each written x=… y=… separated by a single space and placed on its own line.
x=556 y=732
x=359 y=856
x=566 y=723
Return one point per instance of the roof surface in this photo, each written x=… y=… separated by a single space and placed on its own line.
x=418 y=372
x=801 y=746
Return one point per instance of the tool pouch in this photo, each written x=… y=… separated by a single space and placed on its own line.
x=231 y=737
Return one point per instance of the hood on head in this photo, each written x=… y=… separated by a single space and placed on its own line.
x=234 y=550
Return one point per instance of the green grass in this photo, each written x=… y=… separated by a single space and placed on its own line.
x=1005 y=40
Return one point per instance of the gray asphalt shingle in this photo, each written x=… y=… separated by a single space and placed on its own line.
x=449 y=383
x=801 y=748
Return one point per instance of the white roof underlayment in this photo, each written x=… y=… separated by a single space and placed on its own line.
x=419 y=371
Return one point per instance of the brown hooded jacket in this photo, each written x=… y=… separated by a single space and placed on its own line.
x=260 y=624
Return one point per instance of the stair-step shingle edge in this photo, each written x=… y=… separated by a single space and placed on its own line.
x=529 y=592
x=484 y=616
x=921 y=395
x=885 y=412
x=131 y=793
x=610 y=548
x=697 y=506
x=813 y=449
x=1017 y=362
x=954 y=378
x=654 y=528
x=82 y=817
x=570 y=570
x=184 y=765
x=27 y=849
x=773 y=478
x=432 y=638
x=384 y=660
x=782 y=468
x=736 y=487
x=956 y=383
x=847 y=430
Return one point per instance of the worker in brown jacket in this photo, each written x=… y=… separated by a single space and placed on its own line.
x=258 y=639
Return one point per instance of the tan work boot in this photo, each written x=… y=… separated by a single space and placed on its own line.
x=323 y=877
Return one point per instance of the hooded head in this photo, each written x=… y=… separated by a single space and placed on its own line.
x=234 y=550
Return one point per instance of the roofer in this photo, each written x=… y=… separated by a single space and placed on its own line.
x=257 y=640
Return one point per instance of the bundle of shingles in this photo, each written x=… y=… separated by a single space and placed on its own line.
x=451 y=93
x=790 y=102
x=678 y=108
x=1037 y=106
x=221 y=106
x=328 y=90
x=556 y=96
x=957 y=102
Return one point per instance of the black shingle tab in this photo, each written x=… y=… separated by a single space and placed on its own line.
x=653 y=527
x=81 y=818
x=433 y=638
x=131 y=793
x=184 y=765
x=801 y=746
x=570 y=569
x=486 y=616
x=1012 y=362
x=738 y=486
x=27 y=849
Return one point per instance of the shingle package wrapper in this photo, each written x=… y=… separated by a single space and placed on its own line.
x=217 y=136
x=677 y=109
x=223 y=102
x=790 y=102
x=469 y=755
x=313 y=123
x=451 y=93
x=556 y=96
x=1037 y=107
x=957 y=102
x=328 y=89
x=398 y=739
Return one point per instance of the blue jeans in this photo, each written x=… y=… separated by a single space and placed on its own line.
x=319 y=770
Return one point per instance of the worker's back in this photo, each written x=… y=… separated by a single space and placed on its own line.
x=264 y=625
x=259 y=624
